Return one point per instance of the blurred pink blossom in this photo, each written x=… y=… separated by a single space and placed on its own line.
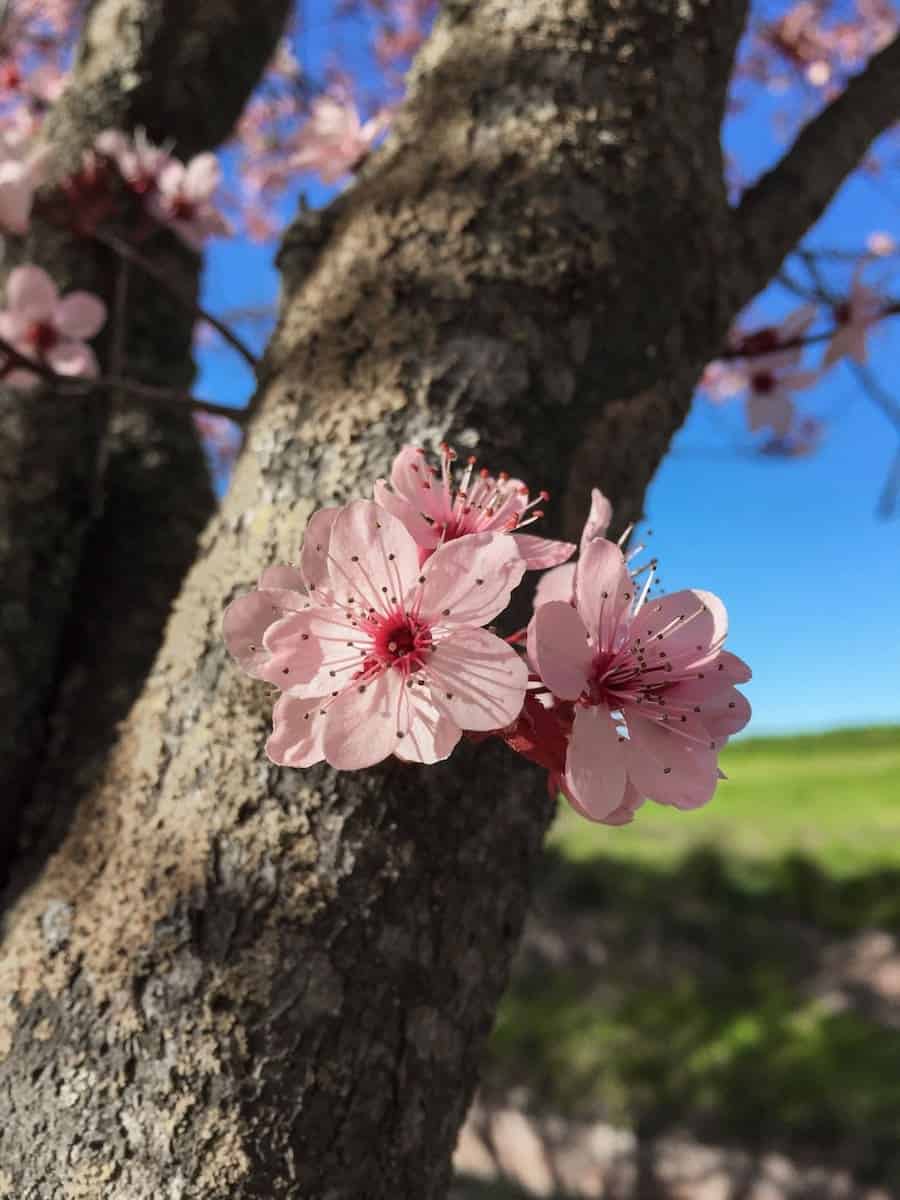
x=334 y=138
x=184 y=200
x=48 y=329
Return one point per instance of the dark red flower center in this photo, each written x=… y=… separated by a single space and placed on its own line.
x=182 y=209
x=762 y=382
x=42 y=336
x=402 y=641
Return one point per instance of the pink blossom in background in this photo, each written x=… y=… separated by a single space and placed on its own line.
x=47 y=328
x=853 y=317
x=140 y=161
x=648 y=684
x=436 y=507
x=880 y=244
x=770 y=396
x=334 y=138
x=391 y=656
x=765 y=369
x=21 y=173
x=184 y=200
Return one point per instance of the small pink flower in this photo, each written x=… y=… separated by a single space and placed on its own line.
x=436 y=509
x=853 y=317
x=334 y=139
x=183 y=200
x=650 y=688
x=49 y=329
x=21 y=173
x=390 y=656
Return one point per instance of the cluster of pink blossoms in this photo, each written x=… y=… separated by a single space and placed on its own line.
x=765 y=365
x=39 y=327
x=377 y=643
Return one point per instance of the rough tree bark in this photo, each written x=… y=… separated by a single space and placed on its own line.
x=182 y=73
x=236 y=981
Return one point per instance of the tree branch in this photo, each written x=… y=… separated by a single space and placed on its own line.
x=779 y=209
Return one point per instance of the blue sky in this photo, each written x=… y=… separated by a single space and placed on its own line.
x=810 y=575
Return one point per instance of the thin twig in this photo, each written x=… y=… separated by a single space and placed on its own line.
x=116 y=362
x=127 y=251
x=887 y=503
x=149 y=393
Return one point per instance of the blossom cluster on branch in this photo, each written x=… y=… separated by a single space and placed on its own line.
x=378 y=646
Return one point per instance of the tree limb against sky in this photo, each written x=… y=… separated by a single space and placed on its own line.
x=223 y=977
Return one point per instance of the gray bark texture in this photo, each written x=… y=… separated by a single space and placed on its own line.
x=183 y=72
x=237 y=981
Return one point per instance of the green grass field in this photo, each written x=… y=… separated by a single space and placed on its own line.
x=692 y=983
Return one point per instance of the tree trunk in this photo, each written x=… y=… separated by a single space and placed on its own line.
x=238 y=981
x=184 y=75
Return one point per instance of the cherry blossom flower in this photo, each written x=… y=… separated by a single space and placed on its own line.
x=52 y=331
x=391 y=656
x=650 y=688
x=853 y=317
x=21 y=173
x=334 y=138
x=183 y=200
x=436 y=508
x=767 y=371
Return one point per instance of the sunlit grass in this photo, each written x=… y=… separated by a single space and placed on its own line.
x=712 y=927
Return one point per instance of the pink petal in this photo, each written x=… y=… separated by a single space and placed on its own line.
x=202 y=177
x=667 y=767
x=725 y=714
x=735 y=669
x=469 y=581
x=31 y=293
x=361 y=727
x=410 y=473
x=598 y=518
x=558 y=649
x=371 y=556
x=595 y=764
x=73 y=359
x=558 y=584
x=429 y=735
x=425 y=534
x=283 y=576
x=477 y=679
x=681 y=629
x=16 y=196
x=631 y=802
x=312 y=653
x=314 y=555
x=774 y=409
x=80 y=315
x=170 y=180
x=298 y=733
x=603 y=590
x=796 y=324
x=540 y=553
x=248 y=617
